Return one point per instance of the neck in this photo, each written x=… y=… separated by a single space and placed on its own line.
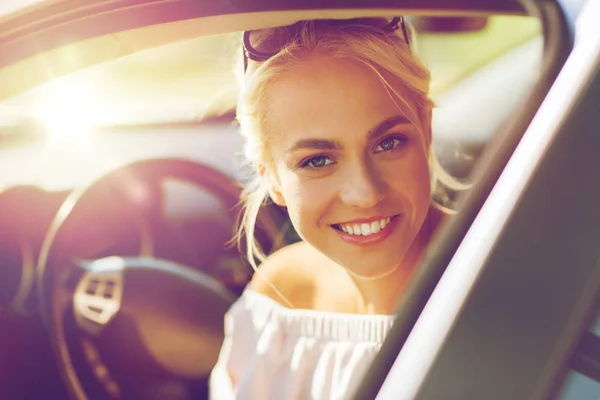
x=383 y=294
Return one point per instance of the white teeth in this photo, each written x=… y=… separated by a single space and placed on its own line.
x=375 y=226
x=383 y=222
x=365 y=229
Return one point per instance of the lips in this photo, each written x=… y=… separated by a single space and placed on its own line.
x=365 y=228
x=365 y=232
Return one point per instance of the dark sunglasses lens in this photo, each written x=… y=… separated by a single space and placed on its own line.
x=264 y=43
x=269 y=41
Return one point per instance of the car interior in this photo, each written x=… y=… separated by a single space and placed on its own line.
x=121 y=171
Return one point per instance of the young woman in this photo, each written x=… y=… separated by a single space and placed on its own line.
x=337 y=122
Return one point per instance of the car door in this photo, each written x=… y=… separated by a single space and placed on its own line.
x=515 y=313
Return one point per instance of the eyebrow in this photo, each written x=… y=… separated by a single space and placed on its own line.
x=324 y=144
x=386 y=125
x=314 y=144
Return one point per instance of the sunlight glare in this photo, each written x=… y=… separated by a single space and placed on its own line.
x=69 y=116
x=71 y=106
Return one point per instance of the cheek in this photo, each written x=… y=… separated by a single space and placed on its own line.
x=306 y=199
x=411 y=181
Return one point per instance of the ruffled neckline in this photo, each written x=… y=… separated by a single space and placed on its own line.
x=321 y=324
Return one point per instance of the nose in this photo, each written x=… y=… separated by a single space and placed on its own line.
x=363 y=187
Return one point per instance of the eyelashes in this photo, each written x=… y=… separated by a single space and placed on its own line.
x=390 y=143
x=316 y=162
x=321 y=161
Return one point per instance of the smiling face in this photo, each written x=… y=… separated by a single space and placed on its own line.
x=348 y=165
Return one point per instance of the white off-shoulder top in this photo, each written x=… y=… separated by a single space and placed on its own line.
x=274 y=352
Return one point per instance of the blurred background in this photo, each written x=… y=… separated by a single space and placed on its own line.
x=81 y=125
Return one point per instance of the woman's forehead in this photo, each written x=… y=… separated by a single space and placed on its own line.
x=324 y=94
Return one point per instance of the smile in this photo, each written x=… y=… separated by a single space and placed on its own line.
x=366 y=232
x=365 y=228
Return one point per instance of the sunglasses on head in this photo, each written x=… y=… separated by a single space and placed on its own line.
x=268 y=48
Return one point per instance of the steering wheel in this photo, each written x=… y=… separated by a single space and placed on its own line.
x=133 y=327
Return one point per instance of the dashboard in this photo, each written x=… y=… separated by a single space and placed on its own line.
x=171 y=219
x=37 y=176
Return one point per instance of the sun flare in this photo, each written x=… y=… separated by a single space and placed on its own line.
x=69 y=116
x=71 y=107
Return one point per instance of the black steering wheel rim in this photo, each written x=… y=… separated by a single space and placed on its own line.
x=52 y=300
x=214 y=181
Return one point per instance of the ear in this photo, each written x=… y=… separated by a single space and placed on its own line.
x=273 y=185
x=276 y=196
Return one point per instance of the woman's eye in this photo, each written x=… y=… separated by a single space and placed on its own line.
x=389 y=143
x=316 y=162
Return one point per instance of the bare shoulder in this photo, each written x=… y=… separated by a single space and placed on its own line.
x=288 y=276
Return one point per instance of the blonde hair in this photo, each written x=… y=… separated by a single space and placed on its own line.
x=388 y=55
